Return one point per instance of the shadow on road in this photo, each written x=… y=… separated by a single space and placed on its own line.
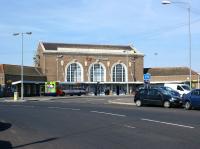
x=5 y=144
x=36 y=142
x=4 y=126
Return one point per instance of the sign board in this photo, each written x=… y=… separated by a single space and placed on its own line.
x=147 y=77
x=50 y=87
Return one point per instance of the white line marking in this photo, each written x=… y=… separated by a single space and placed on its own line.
x=109 y=113
x=95 y=99
x=23 y=106
x=173 y=124
x=53 y=107
x=29 y=106
x=64 y=108
x=16 y=105
x=76 y=109
x=128 y=126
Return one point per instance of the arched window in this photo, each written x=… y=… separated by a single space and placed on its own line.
x=118 y=73
x=74 y=73
x=97 y=73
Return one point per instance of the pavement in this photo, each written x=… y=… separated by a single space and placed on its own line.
x=123 y=100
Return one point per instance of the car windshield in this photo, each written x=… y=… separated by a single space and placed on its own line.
x=169 y=89
x=186 y=87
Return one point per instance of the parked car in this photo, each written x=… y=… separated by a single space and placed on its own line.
x=156 y=96
x=192 y=99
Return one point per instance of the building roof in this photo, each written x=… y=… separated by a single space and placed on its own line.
x=55 y=46
x=16 y=70
x=89 y=49
x=169 y=71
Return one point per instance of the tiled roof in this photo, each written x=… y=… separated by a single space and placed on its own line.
x=167 y=71
x=54 y=46
x=16 y=70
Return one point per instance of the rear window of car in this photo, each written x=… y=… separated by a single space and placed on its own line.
x=143 y=91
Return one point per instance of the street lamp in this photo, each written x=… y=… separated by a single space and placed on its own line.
x=166 y=2
x=22 y=64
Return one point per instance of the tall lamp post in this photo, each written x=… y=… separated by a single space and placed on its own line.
x=166 y=2
x=22 y=61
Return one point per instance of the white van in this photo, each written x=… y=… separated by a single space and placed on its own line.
x=181 y=88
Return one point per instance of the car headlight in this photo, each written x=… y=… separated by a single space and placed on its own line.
x=173 y=99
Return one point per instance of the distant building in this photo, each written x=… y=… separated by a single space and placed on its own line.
x=101 y=69
x=172 y=75
x=10 y=79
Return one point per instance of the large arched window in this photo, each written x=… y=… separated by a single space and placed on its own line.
x=97 y=73
x=118 y=73
x=74 y=73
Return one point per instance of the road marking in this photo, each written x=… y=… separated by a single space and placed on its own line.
x=54 y=107
x=94 y=99
x=23 y=106
x=16 y=105
x=29 y=106
x=76 y=109
x=64 y=108
x=167 y=123
x=128 y=126
x=108 y=113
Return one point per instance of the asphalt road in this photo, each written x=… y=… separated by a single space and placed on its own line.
x=74 y=125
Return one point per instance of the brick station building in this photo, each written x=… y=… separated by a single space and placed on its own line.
x=10 y=80
x=101 y=69
x=173 y=75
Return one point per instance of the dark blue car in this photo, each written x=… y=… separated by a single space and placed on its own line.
x=192 y=99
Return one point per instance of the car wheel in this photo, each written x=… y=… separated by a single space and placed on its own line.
x=166 y=104
x=138 y=103
x=188 y=105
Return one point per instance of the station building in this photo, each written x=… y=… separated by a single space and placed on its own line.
x=100 y=69
x=161 y=75
x=10 y=80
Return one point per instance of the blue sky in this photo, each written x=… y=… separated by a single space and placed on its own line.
x=159 y=31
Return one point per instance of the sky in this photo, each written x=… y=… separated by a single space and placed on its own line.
x=159 y=31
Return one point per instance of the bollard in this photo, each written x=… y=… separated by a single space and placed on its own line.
x=16 y=96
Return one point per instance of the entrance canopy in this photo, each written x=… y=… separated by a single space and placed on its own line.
x=28 y=82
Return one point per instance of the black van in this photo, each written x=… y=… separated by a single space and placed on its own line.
x=157 y=97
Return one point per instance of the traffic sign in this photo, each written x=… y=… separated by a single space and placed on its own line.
x=147 y=76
